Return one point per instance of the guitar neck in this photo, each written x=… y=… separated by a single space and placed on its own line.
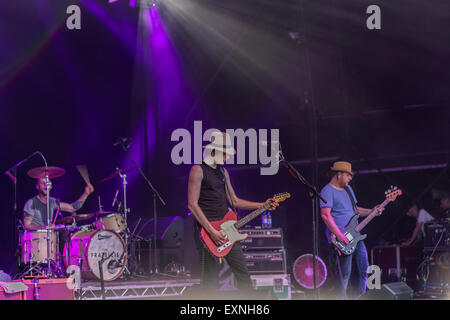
x=251 y=216
x=363 y=223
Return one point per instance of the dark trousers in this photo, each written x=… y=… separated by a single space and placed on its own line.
x=236 y=261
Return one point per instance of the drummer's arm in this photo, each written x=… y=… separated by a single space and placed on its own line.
x=74 y=206
x=27 y=223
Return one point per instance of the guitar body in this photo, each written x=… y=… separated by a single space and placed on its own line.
x=352 y=229
x=227 y=227
x=351 y=234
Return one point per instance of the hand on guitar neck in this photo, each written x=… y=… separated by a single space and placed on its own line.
x=379 y=209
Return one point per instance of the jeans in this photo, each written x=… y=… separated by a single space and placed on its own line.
x=345 y=269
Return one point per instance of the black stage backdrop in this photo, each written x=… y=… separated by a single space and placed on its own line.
x=380 y=97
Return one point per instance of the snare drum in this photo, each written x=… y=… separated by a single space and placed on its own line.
x=90 y=247
x=34 y=246
x=114 y=221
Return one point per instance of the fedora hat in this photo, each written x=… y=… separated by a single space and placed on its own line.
x=343 y=166
x=220 y=141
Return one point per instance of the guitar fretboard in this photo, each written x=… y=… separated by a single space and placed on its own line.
x=363 y=223
x=251 y=216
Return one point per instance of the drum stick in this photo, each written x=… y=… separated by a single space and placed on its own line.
x=84 y=173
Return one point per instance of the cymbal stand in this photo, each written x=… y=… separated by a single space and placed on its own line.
x=49 y=272
x=156 y=195
x=126 y=210
x=59 y=212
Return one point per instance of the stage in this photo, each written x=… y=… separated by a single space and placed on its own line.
x=144 y=289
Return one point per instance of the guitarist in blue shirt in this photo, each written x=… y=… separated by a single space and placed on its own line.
x=337 y=213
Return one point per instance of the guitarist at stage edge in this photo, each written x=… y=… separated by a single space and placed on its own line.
x=208 y=200
x=336 y=214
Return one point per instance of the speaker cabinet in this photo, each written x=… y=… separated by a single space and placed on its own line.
x=390 y=291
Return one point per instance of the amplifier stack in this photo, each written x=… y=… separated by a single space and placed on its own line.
x=264 y=250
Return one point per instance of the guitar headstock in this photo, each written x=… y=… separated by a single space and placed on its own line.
x=280 y=197
x=392 y=193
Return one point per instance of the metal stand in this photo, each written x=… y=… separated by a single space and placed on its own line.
x=314 y=195
x=66 y=230
x=48 y=272
x=155 y=195
x=100 y=269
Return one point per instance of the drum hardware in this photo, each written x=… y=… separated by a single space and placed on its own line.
x=155 y=193
x=134 y=254
x=58 y=212
x=100 y=268
x=116 y=221
x=115 y=174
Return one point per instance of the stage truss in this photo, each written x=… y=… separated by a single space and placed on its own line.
x=136 y=289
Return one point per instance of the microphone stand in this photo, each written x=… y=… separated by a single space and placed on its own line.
x=314 y=195
x=14 y=179
x=155 y=195
x=67 y=231
x=47 y=185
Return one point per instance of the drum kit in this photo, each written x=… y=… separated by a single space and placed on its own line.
x=99 y=248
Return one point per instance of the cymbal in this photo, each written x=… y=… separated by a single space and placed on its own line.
x=39 y=172
x=98 y=213
x=77 y=218
x=81 y=217
x=115 y=174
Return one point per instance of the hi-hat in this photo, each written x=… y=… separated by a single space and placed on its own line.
x=40 y=172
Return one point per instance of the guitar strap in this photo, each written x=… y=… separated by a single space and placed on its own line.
x=351 y=198
x=226 y=188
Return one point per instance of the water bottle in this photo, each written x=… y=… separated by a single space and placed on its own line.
x=264 y=220
x=269 y=220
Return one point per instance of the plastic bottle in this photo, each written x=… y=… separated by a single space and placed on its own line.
x=264 y=220
x=269 y=220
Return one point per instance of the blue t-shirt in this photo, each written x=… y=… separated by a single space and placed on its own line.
x=341 y=206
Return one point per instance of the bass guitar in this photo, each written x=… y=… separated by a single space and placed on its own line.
x=229 y=227
x=352 y=230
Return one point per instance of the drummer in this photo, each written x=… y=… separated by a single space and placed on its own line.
x=35 y=210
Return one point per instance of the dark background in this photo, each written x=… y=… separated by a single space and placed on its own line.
x=381 y=100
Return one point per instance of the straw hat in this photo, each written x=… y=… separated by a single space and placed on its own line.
x=343 y=166
x=220 y=141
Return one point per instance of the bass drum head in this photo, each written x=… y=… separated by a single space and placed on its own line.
x=108 y=245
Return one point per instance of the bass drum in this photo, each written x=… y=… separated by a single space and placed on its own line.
x=89 y=247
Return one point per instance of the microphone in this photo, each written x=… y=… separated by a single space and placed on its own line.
x=13 y=179
x=115 y=198
x=122 y=141
x=279 y=155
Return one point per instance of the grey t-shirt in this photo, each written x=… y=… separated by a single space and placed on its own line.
x=36 y=209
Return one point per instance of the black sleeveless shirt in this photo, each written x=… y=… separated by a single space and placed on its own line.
x=213 y=200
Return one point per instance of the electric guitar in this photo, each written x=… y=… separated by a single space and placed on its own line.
x=229 y=227
x=352 y=230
